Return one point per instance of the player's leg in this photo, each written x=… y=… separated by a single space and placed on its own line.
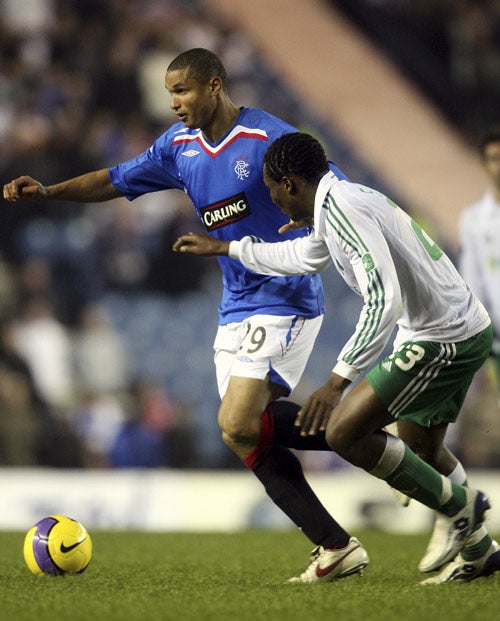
x=424 y=383
x=249 y=427
x=275 y=466
x=481 y=554
x=428 y=443
x=281 y=474
x=274 y=349
x=355 y=431
x=278 y=419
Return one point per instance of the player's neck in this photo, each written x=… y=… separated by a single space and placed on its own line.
x=224 y=118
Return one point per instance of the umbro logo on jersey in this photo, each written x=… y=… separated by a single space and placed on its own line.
x=225 y=212
x=190 y=153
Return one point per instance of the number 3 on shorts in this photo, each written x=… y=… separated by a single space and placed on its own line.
x=406 y=356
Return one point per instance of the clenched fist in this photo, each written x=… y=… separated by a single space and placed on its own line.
x=24 y=187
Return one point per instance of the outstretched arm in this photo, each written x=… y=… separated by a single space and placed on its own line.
x=201 y=244
x=304 y=255
x=93 y=187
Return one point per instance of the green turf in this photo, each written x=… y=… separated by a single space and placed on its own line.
x=218 y=577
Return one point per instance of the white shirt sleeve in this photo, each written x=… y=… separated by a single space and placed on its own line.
x=470 y=259
x=304 y=255
x=369 y=269
x=379 y=314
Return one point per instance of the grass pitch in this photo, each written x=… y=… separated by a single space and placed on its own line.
x=218 y=577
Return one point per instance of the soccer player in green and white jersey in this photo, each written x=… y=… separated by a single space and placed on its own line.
x=480 y=241
x=444 y=336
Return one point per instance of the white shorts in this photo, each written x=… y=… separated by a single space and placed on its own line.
x=265 y=345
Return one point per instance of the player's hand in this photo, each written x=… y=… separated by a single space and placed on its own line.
x=24 y=187
x=294 y=225
x=201 y=244
x=316 y=412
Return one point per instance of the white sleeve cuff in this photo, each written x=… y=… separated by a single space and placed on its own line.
x=234 y=250
x=345 y=370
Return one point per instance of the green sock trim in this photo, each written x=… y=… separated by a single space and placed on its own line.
x=475 y=551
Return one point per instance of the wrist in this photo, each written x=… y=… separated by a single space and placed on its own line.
x=337 y=382
x=346 y=371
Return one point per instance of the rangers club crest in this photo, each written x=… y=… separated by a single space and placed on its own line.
x=241 y=166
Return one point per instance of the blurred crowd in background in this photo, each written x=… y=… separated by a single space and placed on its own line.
x=105 y=335
x=449 y=48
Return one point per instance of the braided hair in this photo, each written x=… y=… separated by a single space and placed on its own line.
x=296 y=153
x=202 y=65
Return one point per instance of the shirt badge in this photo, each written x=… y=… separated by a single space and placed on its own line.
x=368 y=263
x=241 y=165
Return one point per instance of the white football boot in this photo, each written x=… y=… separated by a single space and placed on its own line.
x=460 y=570
x=327 y=565
x=450 y=534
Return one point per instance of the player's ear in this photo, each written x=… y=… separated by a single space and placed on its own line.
x=215 y=85
x=289 y=185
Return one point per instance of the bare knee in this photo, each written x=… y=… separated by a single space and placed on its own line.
x=240 y=427
x=241 y=410
x=236 y=430
x=339 y=436
x=355 y=432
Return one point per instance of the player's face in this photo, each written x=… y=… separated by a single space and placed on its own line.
x=193 y=103
x=492 y=163
x=284 y=194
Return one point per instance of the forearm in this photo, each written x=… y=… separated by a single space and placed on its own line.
x=300 y=256
x=93 y=187
x=367 y=342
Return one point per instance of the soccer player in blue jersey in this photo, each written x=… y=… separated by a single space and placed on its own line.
x=267 y=324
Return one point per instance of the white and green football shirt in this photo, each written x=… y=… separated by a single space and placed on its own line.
x=405 y=279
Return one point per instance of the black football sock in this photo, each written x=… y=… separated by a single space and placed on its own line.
x=281 y=417
x=279 y=470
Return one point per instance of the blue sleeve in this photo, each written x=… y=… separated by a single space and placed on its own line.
x=337 y=172
x=151 y=171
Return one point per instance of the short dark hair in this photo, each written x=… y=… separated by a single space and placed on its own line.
x=296 y=153
x=492 y=135
x=203 y=65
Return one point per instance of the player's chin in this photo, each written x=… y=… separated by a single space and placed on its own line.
x=190 y=124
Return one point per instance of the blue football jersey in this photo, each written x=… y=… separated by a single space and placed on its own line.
x=224 y=181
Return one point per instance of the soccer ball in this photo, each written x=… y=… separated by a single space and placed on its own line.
x=57 y=545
